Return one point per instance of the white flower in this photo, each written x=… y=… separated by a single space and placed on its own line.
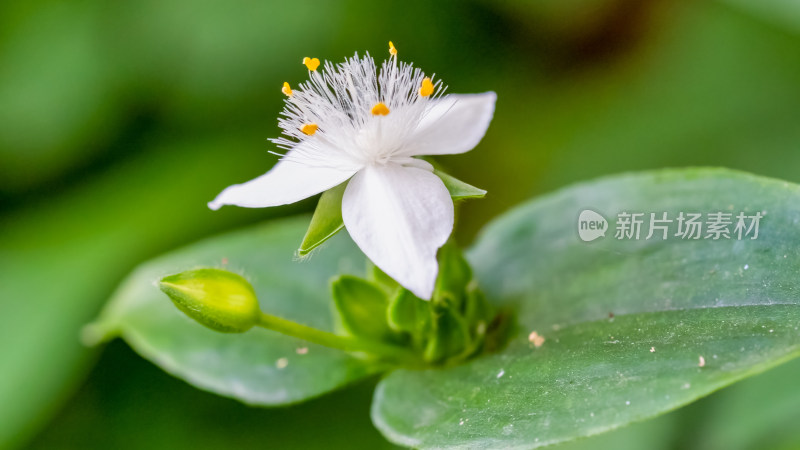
x=353 y=122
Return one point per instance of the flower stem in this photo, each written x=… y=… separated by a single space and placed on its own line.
x=345 y=343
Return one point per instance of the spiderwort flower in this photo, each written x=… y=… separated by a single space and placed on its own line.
x=353 y=122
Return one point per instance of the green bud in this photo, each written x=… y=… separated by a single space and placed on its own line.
x=449 y=338
x=220 y=300
x=361 y=308
x=408 y=313
x=454 y=276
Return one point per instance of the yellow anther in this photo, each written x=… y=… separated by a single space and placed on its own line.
x=311 y=63
x=309 y=128
x=380 y=109
x=392 y=49
x=286 y=89
x=427 y=87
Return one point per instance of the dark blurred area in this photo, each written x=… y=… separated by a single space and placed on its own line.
x=120 y=120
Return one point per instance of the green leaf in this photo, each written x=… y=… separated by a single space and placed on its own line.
x=326 y=221
x=458 y=189
x=625 y=322
x=361 y=308
x=259 y=367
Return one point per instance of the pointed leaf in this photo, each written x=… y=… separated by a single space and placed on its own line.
x=458 y=189
x=326 y=221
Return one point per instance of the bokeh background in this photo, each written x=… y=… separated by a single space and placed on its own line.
x=119 y=120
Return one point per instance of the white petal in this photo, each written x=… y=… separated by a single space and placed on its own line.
x=400 y=216
x=452 y=124
x=289 y=181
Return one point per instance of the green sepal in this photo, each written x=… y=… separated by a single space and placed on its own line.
x=218 y=299
x=457 y=188
x=409 y=313
x=326 y=221
x=361 y=308
x=454 y=276
x=477 y=308
x=449 y=337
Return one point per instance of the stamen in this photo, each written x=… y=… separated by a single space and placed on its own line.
x=392 y=49
x=286 y=89
x=311 y=63
x=427 y=87
x=309 y=129
x=380 y=109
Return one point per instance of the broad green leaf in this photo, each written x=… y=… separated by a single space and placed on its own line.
x=625 y=322
x=457 y=188
x=326 y=221
x=259 y=367
x=361 y=308
x=760 y=412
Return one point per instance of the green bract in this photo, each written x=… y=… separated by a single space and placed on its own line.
x=451 y=327
x=631 y=328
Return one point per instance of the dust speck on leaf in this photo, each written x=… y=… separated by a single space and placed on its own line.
x=281 y=363
x=701 y=362
x=536 y=339
x=302 y=350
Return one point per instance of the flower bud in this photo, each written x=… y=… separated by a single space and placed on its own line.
x=220 y=300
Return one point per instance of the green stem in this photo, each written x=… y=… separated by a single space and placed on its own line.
x=345 y=343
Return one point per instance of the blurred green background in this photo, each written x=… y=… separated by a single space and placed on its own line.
x=120 y=120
